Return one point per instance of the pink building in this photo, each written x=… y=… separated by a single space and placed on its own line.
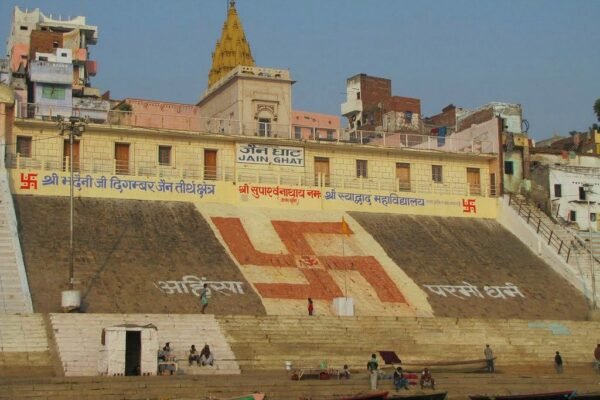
x=315 y=126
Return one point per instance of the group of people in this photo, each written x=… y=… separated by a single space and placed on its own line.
x=399 y=378
x=205 y=357
x=165 y=356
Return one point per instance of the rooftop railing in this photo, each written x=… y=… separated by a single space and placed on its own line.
x=230 y=127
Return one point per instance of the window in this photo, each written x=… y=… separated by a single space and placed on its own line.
x=557 y=190
x=329 y=135
x=55 y=44
x=593 y=217
x=43 y=58
x=53 y=92
x=572 y=216
x=23 y=28
x=508 y=167
x=264 y=127
x=436 y=173
x=581 y=193
x=63 y=54
x=361 y=168
x=408 y=117
x=164 y=155
x=357 y=95
x=297 y=132
x=24 y=146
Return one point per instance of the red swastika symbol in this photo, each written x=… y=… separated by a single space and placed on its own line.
x=320 y=283
x=469 y=205
x=29 y=181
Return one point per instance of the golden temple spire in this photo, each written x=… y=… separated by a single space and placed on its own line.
x=232 y=49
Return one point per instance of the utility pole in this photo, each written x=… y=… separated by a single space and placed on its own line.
x=74 y=126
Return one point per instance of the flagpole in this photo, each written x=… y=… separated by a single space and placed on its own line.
x=344 y=231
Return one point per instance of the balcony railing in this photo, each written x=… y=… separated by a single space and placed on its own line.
x=230 y=127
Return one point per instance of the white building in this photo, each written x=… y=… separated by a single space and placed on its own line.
x=575 y=193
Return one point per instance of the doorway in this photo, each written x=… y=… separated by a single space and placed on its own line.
x=67 y=154
x=403 y=176
x=322 y=168
x=133 y=353
x=474 y=181
x=122 y=158
x=210 y=164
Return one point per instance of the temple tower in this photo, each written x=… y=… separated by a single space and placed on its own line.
x=232 y=49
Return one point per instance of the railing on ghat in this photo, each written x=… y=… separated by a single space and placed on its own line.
x=523 y=208
x=196 y=171
x=228 y=127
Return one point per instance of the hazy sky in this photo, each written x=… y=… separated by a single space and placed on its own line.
x=544 y=55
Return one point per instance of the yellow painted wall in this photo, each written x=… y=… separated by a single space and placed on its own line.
x=49 y=183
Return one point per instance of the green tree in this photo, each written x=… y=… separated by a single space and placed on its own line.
x=597 y=108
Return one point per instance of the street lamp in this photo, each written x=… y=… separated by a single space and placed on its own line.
x=74 y=126
x=587 y=188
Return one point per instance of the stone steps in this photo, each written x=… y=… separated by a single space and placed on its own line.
x=277 y=385
x=14 y=295
x=267 y=342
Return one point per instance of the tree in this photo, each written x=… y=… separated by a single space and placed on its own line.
x=597 y=108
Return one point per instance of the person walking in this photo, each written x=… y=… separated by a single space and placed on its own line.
x=373 y=368
x=597 y=357
x=558 y=363
x=311 y=308
x=204 y=297
x=489 y=358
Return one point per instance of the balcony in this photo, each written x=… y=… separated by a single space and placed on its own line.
x=51 y=72
x=352 y=106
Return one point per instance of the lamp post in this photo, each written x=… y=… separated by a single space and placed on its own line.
x=74 y=126
x=587 y=188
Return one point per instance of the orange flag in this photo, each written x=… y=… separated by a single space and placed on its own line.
x=345 y=227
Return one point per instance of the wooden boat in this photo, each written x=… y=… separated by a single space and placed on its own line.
x=537 y=396
x=253 y=396
x=473 y=365
x=367 y=396
x=587 y=396
x=430 y=396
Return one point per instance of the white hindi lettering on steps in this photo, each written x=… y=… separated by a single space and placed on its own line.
x=468 y=290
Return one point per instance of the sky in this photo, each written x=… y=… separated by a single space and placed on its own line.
x=544 y=55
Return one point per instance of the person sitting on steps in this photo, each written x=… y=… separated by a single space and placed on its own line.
x=193 y=356
x=400 y=380
x=427 y=379
x=206 y=357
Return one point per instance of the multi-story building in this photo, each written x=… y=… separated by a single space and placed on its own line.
x=370 y=106
x=50 y=66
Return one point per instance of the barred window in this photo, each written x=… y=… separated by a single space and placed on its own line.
x=436 y=173
x=164 y=155
x=361 y=168
x=24 y=146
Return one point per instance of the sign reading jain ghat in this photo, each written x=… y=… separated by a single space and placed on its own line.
x=264 y=154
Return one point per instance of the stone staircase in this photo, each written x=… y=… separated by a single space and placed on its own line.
x=572 y=246
x=278 y=386
x=78 y=338
x=24 y=348
x=268 y=342
x=14 y=289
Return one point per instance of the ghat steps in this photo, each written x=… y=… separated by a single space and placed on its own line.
x=14 y=291
x=278 y=386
